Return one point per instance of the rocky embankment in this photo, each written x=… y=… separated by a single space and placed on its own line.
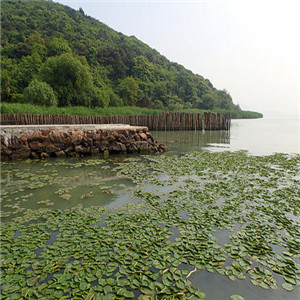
x=19 y=142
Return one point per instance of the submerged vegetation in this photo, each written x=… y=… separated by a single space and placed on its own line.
x=228 y=214
x=54 y=55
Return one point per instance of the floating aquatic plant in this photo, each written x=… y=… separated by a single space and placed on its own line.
x=154 y=249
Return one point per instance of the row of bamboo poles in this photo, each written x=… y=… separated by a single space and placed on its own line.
x=164 y=121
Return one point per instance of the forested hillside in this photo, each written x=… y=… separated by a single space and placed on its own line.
x=55 y=55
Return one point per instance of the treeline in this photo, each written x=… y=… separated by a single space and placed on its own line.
x=53 y=55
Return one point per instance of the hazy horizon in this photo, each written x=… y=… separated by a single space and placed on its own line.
x=249 y=48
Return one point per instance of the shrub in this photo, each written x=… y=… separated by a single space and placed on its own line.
x=17 y=98
x=115 y=100
x=157 y=104
x=40 y=93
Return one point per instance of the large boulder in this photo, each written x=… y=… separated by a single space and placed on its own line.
x=116 y=147
x=5 y=151
x=76 y=137
x=141 y=145
x=143 y=136
x=82 y=150
x=21 y=152
x=101 y=145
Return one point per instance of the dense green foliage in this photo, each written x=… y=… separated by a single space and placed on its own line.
x=87 y=63
x=20 y=108
x=40 y=93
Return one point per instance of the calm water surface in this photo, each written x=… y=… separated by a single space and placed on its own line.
x=258 y=136
x=72 y=184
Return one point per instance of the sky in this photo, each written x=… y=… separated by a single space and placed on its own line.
x=248 y=47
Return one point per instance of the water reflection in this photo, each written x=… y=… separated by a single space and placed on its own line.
x=62 y=183
x=259 y=137
x=184 y=141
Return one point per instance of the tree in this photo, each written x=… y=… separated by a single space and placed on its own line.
x=28 y=68
x=142 y=69
x=40 y=93
x=208 y=101
x=174 y=103
x=157 y=104
x=224 y=99
x=58 y=46
x=9 y=83
x=115 y=100
x=128 y=88
x=37 y=44
x=100 y=97
x=70 y=78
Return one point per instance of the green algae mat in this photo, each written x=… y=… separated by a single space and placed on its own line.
x=194 y=219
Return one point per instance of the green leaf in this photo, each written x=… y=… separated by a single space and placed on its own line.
x=83 y=285
x=287 y=286
x=237 y=297
x=180 y=284
x=129 y=294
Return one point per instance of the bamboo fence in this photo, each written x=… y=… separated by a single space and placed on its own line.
x=165 y=121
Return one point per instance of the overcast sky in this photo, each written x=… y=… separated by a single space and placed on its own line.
x=248 y=47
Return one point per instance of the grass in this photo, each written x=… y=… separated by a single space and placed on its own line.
x=22 y=108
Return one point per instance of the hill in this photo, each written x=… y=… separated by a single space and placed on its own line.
x=55 y=55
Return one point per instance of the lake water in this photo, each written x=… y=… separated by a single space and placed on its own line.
x=65 y=183
x=258 y=136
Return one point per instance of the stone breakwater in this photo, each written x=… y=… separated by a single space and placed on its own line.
x=32 y=141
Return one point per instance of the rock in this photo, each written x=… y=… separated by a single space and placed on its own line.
x=51 y=148
x=150 y=141
x=34 y=155
x=44 y=155
x=95 y=150
x=131 y=139
x=137 y=137
x=45 y=132
x=36 y=146
x=96 y=136
x=21 y=152
x=14 y=143
x=90 y=135
x=101 y=145
x=82 y=150
x=68 y=142
x=72 y=154
x=110 y=139
x=5 y=151
x=60 y=153
x=117 y=147
x=69 y=150
x=143 y=136
x=131 y=148
x=76 y=137
x=121 y=138
x=162 y=148
x=45 y=142
x=23 y=138
x=124 y=132
x=87 y=141
x=155 y=148
x=142 y=145
x=36 y=136
x=56 y=137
